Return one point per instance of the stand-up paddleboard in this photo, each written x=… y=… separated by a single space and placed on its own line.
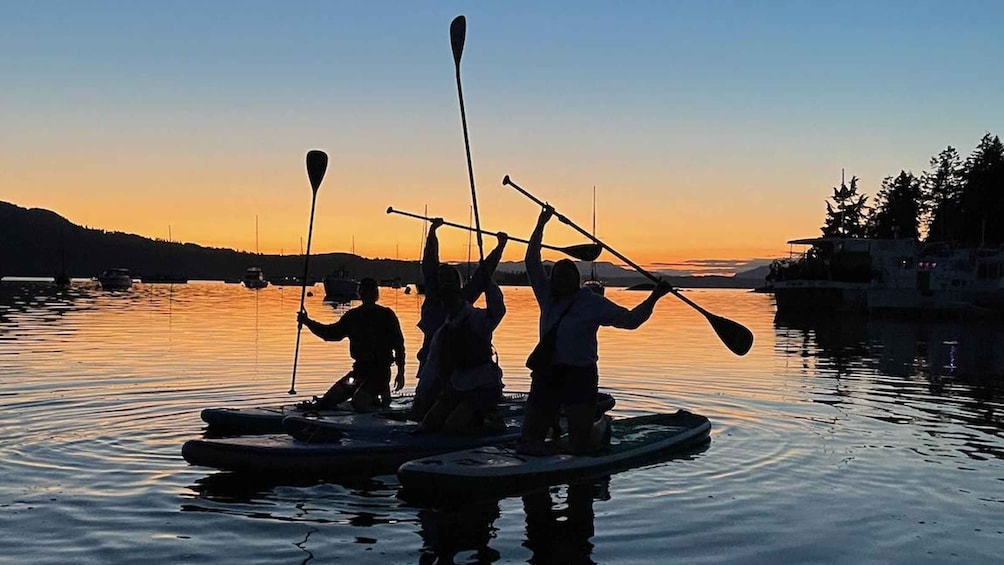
x=499 y=468
x=268 y=419
x=317 y=428
x=353 y=454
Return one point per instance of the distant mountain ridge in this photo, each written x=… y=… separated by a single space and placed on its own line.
x=40 y=243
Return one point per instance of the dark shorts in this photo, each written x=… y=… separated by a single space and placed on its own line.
x=372 y=380
x=565 y=385
x=483 y=399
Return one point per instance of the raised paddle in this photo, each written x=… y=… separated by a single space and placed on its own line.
x=317 y=164
x=458 y=33
x=737 y=337
x=582 y=252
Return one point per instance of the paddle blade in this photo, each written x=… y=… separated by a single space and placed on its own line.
x=584 y=251
x=317 y=164
x=737 y=337
x=458 y=33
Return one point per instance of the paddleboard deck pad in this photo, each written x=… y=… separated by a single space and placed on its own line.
x=634 y=441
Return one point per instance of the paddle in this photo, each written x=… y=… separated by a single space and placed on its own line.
x=734 y=335
x=458 y=33
x=317 y=164
x=582 y=252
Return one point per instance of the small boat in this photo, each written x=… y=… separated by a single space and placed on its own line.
x=290 y=281
x=254 y=278
x=115 y=279
x=499 y=469
x=340 y=287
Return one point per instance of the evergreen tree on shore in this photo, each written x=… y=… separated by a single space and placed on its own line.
x=897 y=210
x=846 y=214
x=982 y=206
x=943 y=195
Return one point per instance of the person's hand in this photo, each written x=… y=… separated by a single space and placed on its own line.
x=399 y=379
x=302 y=318
x=545 y=214
x=503 y=237
x=435 y=224
x=662 y=288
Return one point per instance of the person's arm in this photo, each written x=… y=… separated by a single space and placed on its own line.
x=482 y=277
x=611 y=314
x=430 y=260
x=534 y=267
x=495 y=306
x=399 y=354
x=328 y=332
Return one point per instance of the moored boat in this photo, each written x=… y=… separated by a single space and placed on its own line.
x=254 y=278
x=115 y=279
x=340 y=287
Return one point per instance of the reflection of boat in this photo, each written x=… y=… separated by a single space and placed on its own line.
x=340 y=287
x=254 y=278
x=115 y=279
x=839 y=274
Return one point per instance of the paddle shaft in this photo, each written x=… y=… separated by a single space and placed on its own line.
x=458 y=32
x=468 y=228
x=614 y=252
x=303 y=290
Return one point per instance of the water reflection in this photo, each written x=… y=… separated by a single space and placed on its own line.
x=924 y=373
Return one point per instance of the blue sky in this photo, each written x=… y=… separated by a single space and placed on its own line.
x=713 y=130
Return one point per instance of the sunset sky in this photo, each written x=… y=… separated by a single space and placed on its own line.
x=713 y=131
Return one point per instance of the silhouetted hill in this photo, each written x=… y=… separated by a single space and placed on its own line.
x=34 y=243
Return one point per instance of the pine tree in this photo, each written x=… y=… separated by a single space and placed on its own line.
x=897 y=211
x=845 y=216
x=943 y=195
x=983 y=194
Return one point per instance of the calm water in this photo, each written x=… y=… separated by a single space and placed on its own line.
x=865 y=442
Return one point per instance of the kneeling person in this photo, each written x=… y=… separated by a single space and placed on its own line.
x=460 y=357
x=375 y=341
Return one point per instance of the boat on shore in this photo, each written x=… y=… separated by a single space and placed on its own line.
x=875 y=276
x=115 y=279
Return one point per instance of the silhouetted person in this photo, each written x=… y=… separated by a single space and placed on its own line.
x=569 y=377
x=461 y=359
x=375 y=341
x=433 y=310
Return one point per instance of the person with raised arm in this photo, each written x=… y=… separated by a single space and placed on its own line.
x=564 y=364
x=460 y=358
x=433 y=313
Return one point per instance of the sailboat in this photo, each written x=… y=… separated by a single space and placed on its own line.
x=254 y=277
x=420 y=284
x=167 y=278
x=592 y=283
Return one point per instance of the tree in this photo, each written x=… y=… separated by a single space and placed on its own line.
x=845 y=216
x=897 y=210
x=983 y=194
x=943 y=195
